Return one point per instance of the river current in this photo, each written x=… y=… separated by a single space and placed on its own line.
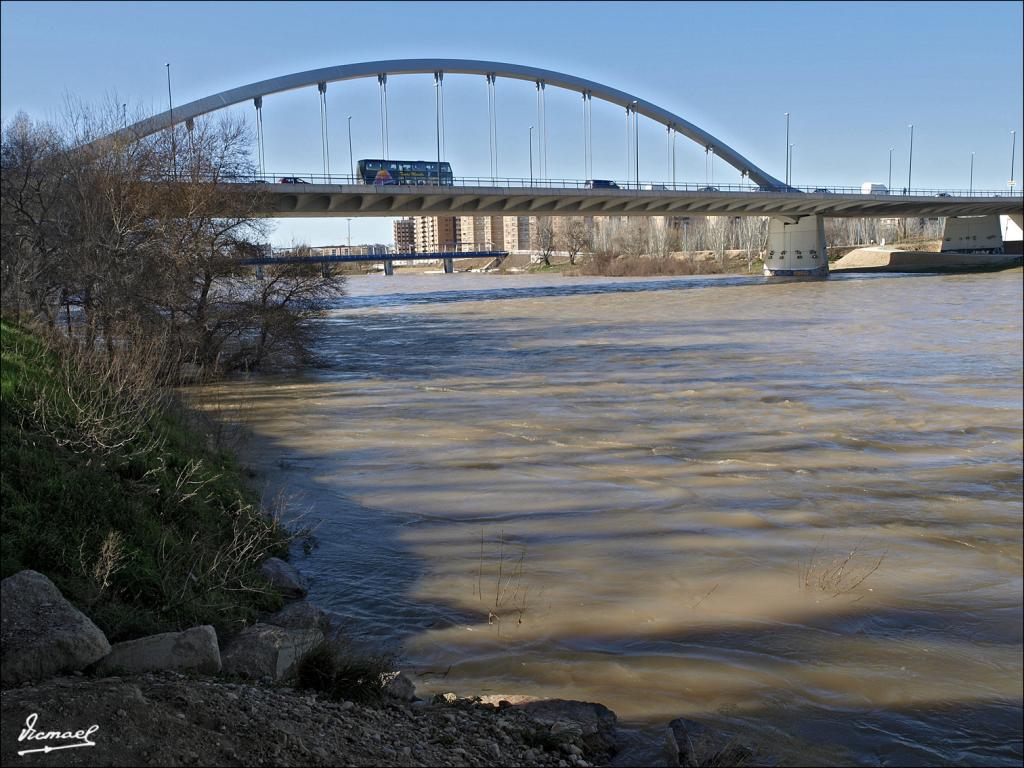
x=789 y=509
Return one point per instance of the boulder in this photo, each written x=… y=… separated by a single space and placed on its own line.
x=301 y=615
x=690 y=744
x=398 y=686
x=284 y=576
x=264 y=650
x=41 y=633
x=194 y=650
x=594 y=724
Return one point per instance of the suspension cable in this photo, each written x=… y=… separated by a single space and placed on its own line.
x=541 y=132
x=494 y=101
x=586 y=146
x=544 y=129
x=438 y=76
x=258 y=103
x=382 y=82
x=636 y=143
x=629 y=145
x=673 y=158
x=325 y=134
x=589 y=117
x=668 y=150
x=492 y=128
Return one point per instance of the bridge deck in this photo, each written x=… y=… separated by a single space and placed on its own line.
x=315 y=200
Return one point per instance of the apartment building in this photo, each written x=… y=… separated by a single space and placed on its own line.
x=481 y=233
x=405 y=235
x=436 y=233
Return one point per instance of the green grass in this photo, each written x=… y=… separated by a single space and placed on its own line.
x=159 y=533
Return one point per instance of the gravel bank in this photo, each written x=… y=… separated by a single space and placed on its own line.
x=171 y=719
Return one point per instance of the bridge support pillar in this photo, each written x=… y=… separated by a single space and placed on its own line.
x=389 y=267
x=449 y=266
x=796 y=247
x=1013 y=233
x=972 y=234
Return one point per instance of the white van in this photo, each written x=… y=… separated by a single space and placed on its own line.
x=867 y=188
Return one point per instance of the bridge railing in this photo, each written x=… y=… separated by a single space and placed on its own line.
x=642 y=186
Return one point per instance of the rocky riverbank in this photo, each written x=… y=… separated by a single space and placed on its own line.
x=72 y=698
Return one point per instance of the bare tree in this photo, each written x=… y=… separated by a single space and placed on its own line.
x=545 y=239
x=574 y=236
x=145 y=236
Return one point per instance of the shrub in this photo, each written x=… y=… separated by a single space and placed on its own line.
x=343 y=672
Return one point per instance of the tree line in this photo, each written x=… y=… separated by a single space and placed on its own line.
x=112 y=239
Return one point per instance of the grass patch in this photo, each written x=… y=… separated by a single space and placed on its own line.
x=342 y=672
x=110 y=493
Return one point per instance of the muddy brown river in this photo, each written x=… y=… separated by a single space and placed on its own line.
x=791 y=509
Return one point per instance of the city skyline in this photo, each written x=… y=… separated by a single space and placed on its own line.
x=852 y=77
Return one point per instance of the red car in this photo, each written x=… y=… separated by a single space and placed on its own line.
x=292 y=180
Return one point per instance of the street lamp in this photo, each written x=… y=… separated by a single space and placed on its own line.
x=349 y=252
x=531 y=155
x=788 y=147
x=970 y=190
x=910 y=162
x=351 y=165
x=789 y=171
x=889 y=187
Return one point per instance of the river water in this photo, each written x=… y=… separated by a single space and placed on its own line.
x=791 y=509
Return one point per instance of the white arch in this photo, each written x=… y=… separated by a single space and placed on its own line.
x=311 y=77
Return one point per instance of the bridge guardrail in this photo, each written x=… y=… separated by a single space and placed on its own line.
x=631 y=186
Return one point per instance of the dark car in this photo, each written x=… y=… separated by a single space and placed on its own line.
x=823 y=191
x=601 y=184
x=292 y=180
x=943 y=194
x=709 y=189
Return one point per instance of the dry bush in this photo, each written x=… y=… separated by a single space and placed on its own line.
x=511 y=592
x=608 y=265
x=103 y=404
x=836 y=575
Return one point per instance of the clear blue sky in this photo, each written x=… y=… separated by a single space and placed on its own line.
x=852 y=75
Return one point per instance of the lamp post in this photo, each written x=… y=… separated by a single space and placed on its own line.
x=889 y=187
x=531 y=155
x=351 y=164
x=789 y=171
x=970 y=189
x=788 y=147
x=910 y=162
x=349 y=253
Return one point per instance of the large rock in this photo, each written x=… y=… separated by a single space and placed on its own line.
x=41 y=633
x=594 y=724
x=194 y=650
x=301 y=615
x=264 y=650
x=284 y=576
x=398 y=686
x=690 y=744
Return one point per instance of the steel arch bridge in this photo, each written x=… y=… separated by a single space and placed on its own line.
x=489 y=69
